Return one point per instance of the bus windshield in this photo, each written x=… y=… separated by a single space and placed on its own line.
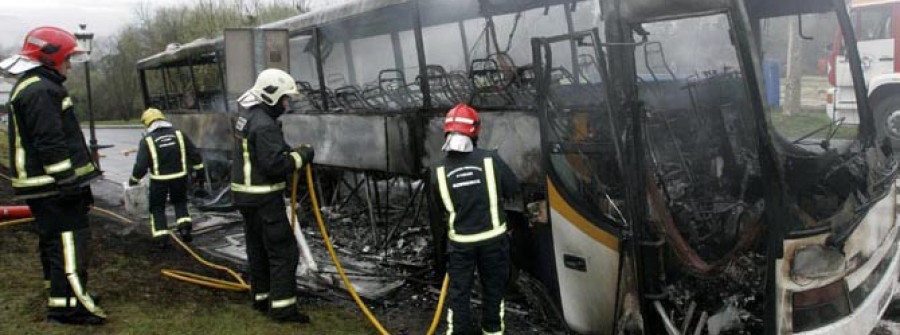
x=830 y=172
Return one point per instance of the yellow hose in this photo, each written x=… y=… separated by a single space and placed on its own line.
x=337 y=263
x=16 y=221
x=239 y=285
x=111 y=214
x=440 y=306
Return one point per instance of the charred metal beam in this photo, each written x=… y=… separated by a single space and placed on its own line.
x=465 y=45
x=777 y=210
x=144 y=91
x=353 y=192
x=348 y=56
x=165 y=80
x=220 y=65
x=420 y=52
x=573 y=45
x=193 y=81
x=398 y=50
x=624 y=99
x=323 y=94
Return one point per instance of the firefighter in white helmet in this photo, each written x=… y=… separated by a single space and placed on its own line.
x=262 y=161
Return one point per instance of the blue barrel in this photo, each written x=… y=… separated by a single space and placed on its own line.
x=772 y=81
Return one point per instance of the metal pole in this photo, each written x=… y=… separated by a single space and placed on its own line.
x=351 y=68
x=193 y=82
x=93 y=144
x=398 y=51
x=420 y=51
x=219 y=60
x=573 y=45
x=320 y=68
x=165 y=80
x=144 y=91
x=465 y=45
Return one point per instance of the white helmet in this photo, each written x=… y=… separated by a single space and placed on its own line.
x=270 y=86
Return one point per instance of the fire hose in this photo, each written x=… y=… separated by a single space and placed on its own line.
x=337 y=263
x=240 y=285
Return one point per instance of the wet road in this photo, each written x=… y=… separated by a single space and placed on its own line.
x=116 y=162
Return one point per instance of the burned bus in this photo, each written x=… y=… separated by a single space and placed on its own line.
x=663 y=192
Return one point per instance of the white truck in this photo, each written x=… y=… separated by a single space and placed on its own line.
x=879 y=48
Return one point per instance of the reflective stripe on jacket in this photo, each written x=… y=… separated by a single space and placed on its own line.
x=470 y=186
x=168 y=154
x=261 y=158
x=47 y=147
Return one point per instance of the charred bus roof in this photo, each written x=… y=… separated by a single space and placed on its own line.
x=199 y=51
x=656 y=10
x=370 y=17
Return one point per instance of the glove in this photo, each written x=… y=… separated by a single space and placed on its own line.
x=131 y=182
x=306 y=152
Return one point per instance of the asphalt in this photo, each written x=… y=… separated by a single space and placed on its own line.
x=116 y=162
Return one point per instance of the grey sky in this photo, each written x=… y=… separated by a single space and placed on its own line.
x=103 y=17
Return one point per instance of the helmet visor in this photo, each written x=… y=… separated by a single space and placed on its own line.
x=79 y=56
x=294 y=94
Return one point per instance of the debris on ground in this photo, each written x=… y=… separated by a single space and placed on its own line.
x=731 y=303
x=729 y=319
x=384 y=244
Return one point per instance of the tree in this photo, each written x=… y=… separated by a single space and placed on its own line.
x=793 y=81
x=114 y=78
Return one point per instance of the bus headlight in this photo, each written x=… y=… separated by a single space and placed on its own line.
x=816 y=262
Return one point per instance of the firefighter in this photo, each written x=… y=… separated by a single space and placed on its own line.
x=262 y=162
x=51 y=168
x=169 y=155
x=468 y=185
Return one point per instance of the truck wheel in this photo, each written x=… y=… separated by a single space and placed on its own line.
x=887 y=120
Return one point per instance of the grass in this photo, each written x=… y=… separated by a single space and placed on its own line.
x=140 y=301
x=806 y=121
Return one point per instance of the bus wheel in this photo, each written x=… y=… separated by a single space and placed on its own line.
x=887 y=120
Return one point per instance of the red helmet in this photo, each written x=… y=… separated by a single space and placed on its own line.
x=464 y=120
x=50 y=46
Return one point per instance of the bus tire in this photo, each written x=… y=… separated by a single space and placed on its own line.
x=886 y=112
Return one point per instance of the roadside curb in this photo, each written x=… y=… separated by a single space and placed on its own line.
x=114 y=126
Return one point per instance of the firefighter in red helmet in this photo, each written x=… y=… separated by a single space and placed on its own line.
x=51 y=169
x=468 y=186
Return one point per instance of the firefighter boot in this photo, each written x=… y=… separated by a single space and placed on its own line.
x=78 y=316
x=185 y=233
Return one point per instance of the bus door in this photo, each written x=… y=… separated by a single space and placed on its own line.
x=583 y=183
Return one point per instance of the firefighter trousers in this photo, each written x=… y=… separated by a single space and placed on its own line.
x=491 y=258
x=175 y=191
x=273 y=256
x=64 y=235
